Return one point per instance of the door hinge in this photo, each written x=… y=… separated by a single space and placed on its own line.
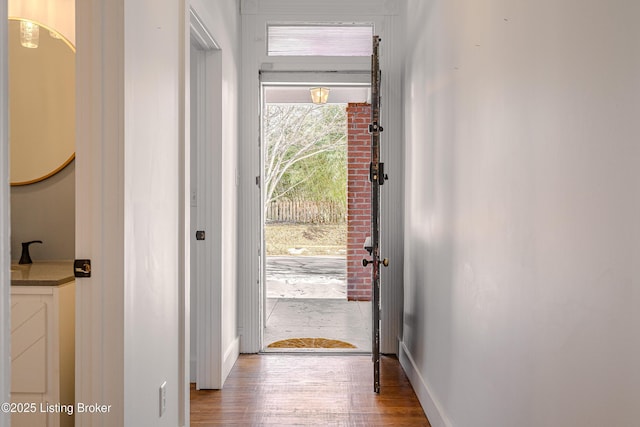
x=258 y=181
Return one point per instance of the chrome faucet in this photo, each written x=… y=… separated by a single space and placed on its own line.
x=25 y=258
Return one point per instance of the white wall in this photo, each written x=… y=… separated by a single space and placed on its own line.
x=45 y=211
x=5 y=261
x=130 y=96
x=522 y=283
x=151 y=180
x=228 y=23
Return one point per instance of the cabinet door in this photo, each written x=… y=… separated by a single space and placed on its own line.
x=28 y=419
x=28 y=346
x=28 y=358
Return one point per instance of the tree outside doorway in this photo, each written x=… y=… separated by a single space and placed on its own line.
x=305 y=179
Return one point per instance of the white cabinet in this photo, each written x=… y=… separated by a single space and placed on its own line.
x=43 y=354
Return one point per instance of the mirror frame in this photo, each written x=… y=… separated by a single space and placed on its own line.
x=73 y=154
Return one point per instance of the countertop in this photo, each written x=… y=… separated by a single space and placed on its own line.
x=42 y=273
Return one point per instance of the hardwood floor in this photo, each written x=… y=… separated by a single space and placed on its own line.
x=327 y=390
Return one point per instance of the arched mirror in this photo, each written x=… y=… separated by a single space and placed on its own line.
x=41 y=101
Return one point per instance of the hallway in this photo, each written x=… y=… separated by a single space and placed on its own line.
x=325 y=390
x=510 y=217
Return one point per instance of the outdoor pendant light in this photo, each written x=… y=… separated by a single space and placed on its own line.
x=319 y=95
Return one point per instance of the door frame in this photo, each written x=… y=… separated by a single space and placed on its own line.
x=206 y=141
x=268 y=78
x=387 y=23
x=5 y=223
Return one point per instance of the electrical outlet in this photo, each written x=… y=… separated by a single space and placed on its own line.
x=163 y=398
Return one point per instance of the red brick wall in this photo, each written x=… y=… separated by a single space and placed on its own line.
x=358 y=201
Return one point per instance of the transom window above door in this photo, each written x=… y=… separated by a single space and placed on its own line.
x=319 y=39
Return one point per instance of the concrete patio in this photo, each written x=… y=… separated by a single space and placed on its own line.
x=306 y=297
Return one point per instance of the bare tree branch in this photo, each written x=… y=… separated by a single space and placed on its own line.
x=295 y=133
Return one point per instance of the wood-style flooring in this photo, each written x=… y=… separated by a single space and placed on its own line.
x=309 y=390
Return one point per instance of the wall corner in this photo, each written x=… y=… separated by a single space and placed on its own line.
x=249 y=7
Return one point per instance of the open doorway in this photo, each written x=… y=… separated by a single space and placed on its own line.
x=315 y=208
x=42 y=109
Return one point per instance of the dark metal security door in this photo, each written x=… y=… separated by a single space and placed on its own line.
x=377 y=178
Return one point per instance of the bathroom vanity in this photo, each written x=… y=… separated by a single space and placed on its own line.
x=43 y=343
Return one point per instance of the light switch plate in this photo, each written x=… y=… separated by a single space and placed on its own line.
x=163 y=398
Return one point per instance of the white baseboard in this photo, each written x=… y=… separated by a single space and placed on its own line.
x=430 y=404
x=230 y=357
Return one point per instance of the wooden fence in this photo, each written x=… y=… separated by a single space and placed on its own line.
x=306 y=212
